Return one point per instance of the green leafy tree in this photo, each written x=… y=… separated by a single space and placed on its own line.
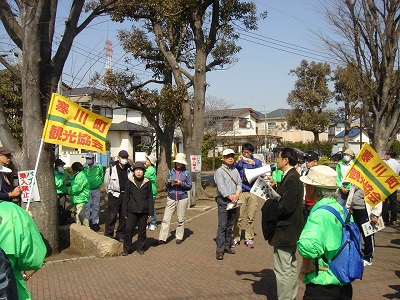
x=366 y=36
x=189 y=37
x=162 y=110
x=309 y=99
x=348 y=93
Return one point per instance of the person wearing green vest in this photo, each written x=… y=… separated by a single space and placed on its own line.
x=95 y=175
x=276 y=176
x=61 y=177
x=21 y=242
x=79 y=191
x=151 y=174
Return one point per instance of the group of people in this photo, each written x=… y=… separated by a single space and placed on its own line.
x=295 y=222
x=83 y=187
x=132 y=192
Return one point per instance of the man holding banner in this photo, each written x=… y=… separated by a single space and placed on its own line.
x=391 y=201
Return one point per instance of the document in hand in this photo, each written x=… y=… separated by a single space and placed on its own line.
x=370 y=229
x=233 y=205
x=263 y=190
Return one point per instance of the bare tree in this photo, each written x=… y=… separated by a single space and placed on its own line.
x=31 y=25
x=366 y=36
x=215 y=117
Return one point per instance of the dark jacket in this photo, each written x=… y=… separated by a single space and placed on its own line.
x=138 y=199
x=290 y=210
x=269 y=218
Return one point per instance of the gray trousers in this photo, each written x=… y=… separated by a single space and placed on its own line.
x=226 y=220
x=285 y=269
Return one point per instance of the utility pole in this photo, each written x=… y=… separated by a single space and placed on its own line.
x=265 y=128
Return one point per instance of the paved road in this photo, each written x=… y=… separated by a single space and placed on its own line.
x=190 y=270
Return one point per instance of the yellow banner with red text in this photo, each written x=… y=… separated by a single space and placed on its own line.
x=71 y=125
x=373 y=176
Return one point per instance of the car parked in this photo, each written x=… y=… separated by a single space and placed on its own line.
x=338 y=156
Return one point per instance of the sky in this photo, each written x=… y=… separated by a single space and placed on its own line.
x=260 y=79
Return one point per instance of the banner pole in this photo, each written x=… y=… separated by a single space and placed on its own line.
x=34 y=175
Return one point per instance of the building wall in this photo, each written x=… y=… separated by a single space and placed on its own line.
x=119 y=115
x=120 y=140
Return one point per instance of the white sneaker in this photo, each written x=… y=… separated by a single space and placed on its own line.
x=153 y=227
x=367 y=263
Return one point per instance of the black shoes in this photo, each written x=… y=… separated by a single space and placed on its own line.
x=160 y=242
x=140 y=252
x=179 y=242
x=125 y=253
x=95 y=227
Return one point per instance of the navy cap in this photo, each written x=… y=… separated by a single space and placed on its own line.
x=123 y=153
x=310 y=156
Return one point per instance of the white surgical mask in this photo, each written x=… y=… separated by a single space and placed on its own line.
x=346 y=158
x=123 y=161
x=60 y=169
x=89 y=161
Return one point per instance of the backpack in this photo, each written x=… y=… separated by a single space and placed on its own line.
x=8 y=284
x=348 y=263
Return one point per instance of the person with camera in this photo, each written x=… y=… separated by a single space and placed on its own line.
x=249 y=201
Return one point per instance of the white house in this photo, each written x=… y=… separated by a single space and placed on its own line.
x=355 y=140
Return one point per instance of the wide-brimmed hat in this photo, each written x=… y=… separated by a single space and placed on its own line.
x=349 y=152
x=139 y=165
x=180 y=158
x=152 y=159
x=5 y=170
x=321 y=176
x=227 y=152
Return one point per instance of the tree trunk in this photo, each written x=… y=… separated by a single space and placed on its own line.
x=316 y=141
x=35 y=93
x=165 y=156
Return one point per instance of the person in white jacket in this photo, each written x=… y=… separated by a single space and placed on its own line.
x=362 y=213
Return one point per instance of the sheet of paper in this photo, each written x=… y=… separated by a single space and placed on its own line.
x=263 y=190
x=369 y=229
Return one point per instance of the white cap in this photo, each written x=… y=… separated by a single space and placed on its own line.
x=227 y=152
x=90 y=155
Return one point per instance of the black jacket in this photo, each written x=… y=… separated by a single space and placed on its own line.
x=290 y=210
x=138 y=200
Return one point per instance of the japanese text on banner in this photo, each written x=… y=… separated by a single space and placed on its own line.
x=71 y=125
x=25 y=180
x=373 y=176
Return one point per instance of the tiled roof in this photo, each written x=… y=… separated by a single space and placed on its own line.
x=128 y=126
x=352 y=133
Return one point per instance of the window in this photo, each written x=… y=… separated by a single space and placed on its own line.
x=106 y=112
